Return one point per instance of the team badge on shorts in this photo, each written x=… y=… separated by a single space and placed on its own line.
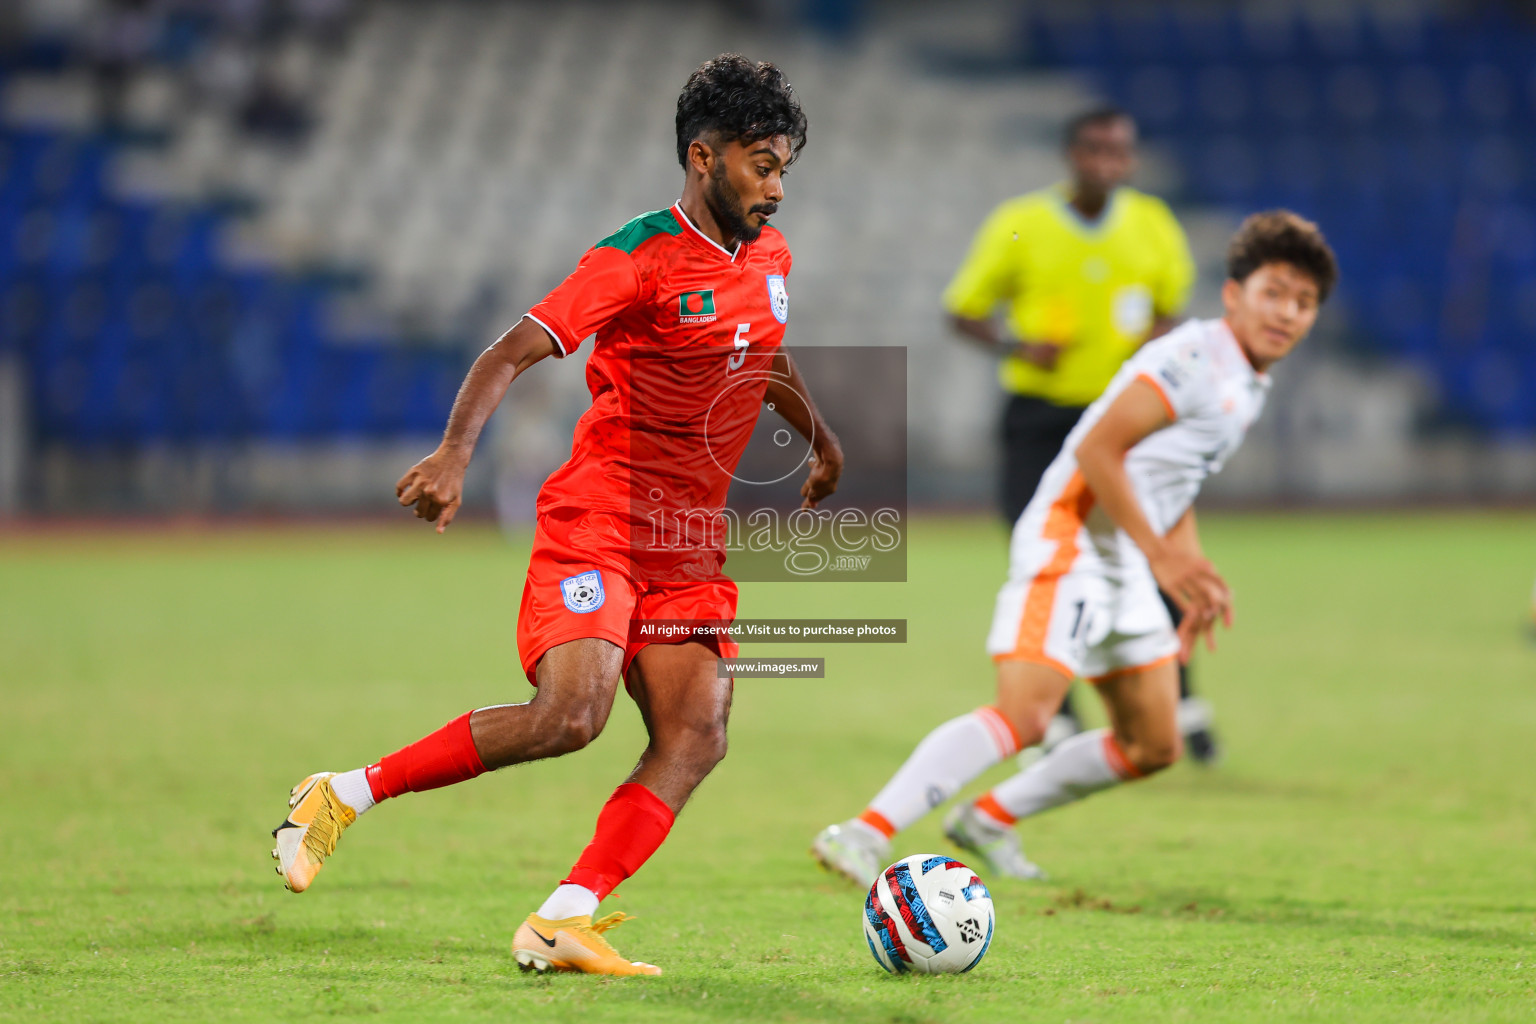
x=583 y=592
x=778 y=298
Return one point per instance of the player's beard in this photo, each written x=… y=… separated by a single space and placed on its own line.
x=725 y=203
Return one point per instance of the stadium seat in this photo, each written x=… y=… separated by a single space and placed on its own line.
x=1399 y=126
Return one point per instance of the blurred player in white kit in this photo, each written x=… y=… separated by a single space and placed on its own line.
x=1111 y=522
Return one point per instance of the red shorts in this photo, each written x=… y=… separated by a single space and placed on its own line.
x=581 y=583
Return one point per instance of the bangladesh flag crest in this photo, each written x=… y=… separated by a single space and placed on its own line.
x=696 y=307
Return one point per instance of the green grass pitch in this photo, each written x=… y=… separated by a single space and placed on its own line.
x=1364 y=854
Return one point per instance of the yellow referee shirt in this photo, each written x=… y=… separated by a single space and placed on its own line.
x=1093 y=288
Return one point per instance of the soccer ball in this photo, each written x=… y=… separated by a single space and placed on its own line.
x=928 y=914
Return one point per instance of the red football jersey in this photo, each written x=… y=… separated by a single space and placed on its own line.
x=686 y=336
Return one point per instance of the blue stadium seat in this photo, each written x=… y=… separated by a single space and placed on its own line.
x=1410 y=138
x=135 y=332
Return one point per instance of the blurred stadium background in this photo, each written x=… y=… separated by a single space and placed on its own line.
x=248 y=247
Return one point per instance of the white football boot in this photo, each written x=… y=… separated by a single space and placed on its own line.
x=853 y=850
x=996 y=846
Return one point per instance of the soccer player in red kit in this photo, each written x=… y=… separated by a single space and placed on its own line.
x=689 y=306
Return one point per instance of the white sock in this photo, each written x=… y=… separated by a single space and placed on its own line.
x=569 y=901
x=947 y=758
x=353 y=789
x=1077 y=767
x=1194 y=714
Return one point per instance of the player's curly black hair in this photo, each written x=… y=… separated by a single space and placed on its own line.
x=733 y=99
x=1280 y=236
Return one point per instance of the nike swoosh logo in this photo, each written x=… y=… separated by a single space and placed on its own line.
x=287 y=823
x=548 y=942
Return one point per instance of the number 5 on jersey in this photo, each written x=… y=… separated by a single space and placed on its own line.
x=735 y=359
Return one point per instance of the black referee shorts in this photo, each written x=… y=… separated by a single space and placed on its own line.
x=1033 y=433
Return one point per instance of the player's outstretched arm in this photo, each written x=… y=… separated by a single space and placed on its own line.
x=435 y=485
x=1184 y=573
x=791 y=399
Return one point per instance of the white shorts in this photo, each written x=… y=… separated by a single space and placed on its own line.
x=1080 y=598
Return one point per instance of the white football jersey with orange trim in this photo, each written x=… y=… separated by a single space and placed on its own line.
x=1213 y=395
x=1080 y=596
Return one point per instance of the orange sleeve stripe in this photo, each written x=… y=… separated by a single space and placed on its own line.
x=879 y=822
x=1161 y=394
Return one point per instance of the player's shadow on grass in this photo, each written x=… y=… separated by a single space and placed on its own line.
x=1196 y=905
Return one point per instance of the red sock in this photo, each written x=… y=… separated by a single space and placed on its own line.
x=437 y=759
x=630 y=827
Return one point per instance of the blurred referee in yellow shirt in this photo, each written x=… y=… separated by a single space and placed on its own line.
x=1086 y=271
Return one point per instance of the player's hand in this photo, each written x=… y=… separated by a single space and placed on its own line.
x=435 y=485
x=1192 y=627
x=1037 y=353
x=1195 y=586
x=826 y=467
